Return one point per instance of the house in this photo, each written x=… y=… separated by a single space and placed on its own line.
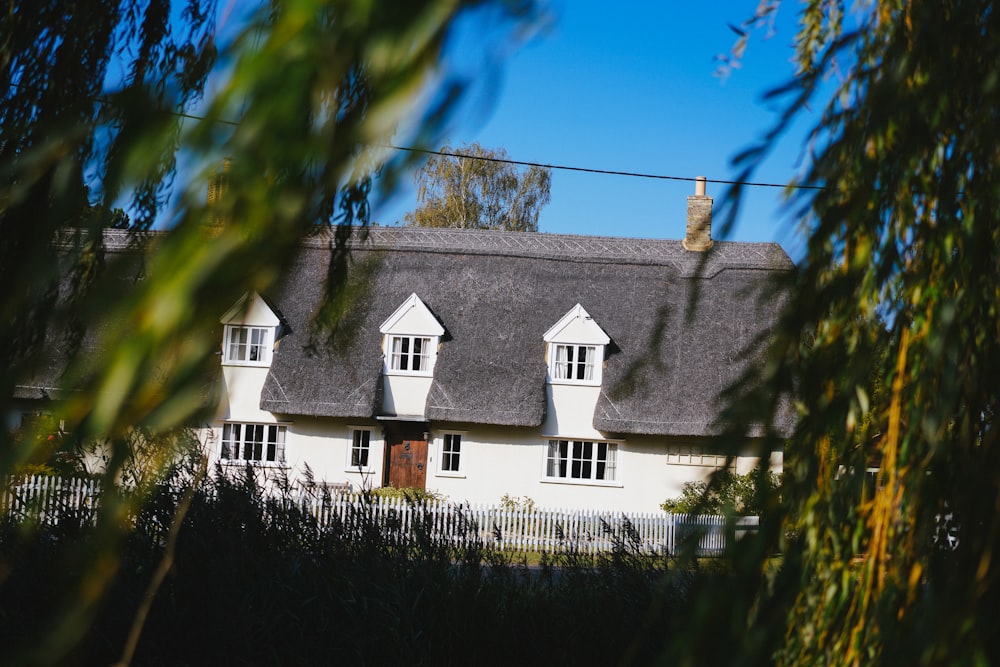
x=477 y=364
x=576 y=371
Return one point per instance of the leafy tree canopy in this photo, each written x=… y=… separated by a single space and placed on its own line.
x=110 y=95
x=904 y=230
x=482 y=191
x=102 y=99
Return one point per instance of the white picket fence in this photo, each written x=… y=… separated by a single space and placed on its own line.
x=46 y=498
x=535 y=529
x=520 y=529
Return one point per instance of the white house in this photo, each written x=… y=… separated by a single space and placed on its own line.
x=477 y=364
x=567 y=369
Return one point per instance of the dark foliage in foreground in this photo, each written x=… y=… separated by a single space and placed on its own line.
x=255 y=581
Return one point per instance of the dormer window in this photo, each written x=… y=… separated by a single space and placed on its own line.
x=249 y=334
x=411 y=338
x=575 y=362
x=410 y=354
x=247 y=345
x=576 y=349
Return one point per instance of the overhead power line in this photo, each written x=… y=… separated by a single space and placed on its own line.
x=590 y=170
x=521 y=163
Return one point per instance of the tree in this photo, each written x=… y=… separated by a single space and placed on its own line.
x=904 y=229
x=102 y=95
x=481 y=191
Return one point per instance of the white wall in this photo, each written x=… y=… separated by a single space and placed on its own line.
x=326 y=446
x=569 y=411
x=240 y=399
x=405 y=394
x=495 y=461
x=498 y=461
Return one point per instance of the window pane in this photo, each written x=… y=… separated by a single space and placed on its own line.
x=253 y=447
x=227 y=440
x=425 y=354
x=575 y=464
x=254 y=351
x=404 y=354
x=398 y=357
x=581 y=460
x=272 y=443
x=451 y=452
x=237 y=344
x=610 y=463
x=280 y=445
x=418 y=344
x=558 y=458
x=564 y=358
x=360 y=448
x=556 y=464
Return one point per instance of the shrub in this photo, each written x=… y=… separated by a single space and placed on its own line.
x=727 y=493
x=410 y=494
x=511 y=503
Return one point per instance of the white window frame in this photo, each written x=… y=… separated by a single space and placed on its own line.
x=565 y=365
x=267 y=446
x=694 y=455
x=356 y=442
x=447 y=453
x=573 y=461
x=256 y=348
x=400 y=352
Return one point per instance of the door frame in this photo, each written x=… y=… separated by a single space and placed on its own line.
x=399 y=434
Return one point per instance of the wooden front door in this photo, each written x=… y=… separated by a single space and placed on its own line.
x=406 y=455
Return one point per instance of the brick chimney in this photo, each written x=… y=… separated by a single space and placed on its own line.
x=699 y=220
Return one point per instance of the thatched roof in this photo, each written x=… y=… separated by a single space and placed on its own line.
x=82 y=333
x=64 y=337
x=497 y=293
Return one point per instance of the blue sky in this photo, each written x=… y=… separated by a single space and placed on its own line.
x=634 y=89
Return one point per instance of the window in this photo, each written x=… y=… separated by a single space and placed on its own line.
x=574 y=363
x=451 y=453
x=360 y=448
x=575 y=349
x=581 y=459
x=257 y=443
x=412 y=334
x=411 y=354
x=247 y=345
x=694 y=455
